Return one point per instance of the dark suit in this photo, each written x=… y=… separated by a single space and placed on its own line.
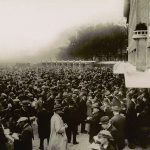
x=131 y=121
x=43 y=120
x=82 y=113
x=95 y=127
x=143 y=128
x=119 y=122
x=71 y=117
x=3 y=139
x=25 y=139
x=114 y=133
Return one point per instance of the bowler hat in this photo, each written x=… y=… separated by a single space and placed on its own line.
x=26 y=103
x=104 y=120
x=105 y=134
x=22 y=119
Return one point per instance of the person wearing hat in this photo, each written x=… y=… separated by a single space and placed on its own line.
x=94 y=121
x=58 y=138
x=131 y=121
x=27 y=110
x=43 y=121
x=83 y=112
x=3 y=139
x=106 y=125
x=119 y=122
x=71 y=117
x=25 y=134
x=104 y=140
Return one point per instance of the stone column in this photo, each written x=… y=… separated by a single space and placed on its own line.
x=141 y=41
x=141 y=54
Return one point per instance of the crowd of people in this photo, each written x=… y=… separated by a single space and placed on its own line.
x=61 y=99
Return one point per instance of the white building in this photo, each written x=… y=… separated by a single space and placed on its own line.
x=137 y=13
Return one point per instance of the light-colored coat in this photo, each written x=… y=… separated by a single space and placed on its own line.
x=58 y=138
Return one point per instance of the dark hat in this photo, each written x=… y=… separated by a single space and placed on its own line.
x=11 y=94
x=104 y=120
x=26 y=103
x=116 y=101
x=105 y=134
x=71 y=102
x=57 y=107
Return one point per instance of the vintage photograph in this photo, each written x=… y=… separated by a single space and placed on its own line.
x=74 y=75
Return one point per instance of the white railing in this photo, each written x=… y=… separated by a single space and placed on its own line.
x=138 y=34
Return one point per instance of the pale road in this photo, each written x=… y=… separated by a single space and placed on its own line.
x=81 y=138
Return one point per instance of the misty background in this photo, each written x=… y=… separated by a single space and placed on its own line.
x=35 y=30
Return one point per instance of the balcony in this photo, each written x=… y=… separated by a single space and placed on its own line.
x=140 y=34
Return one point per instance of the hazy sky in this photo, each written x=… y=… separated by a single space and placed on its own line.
x=28 y=26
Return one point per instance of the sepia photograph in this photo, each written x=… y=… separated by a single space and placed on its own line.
x=74 y=75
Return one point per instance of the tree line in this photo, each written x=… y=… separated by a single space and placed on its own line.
x=102 y=42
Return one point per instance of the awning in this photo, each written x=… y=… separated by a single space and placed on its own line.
x=121 y=67
x=136 y=79
x=133 y=78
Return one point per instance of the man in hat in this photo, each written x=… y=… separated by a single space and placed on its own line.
x=27 y=110
x=83 y=112
x=58 y=138
x=103 y=140
x=24 y=140
x=119 y=122
x=106 y=125
x=3 y=139
x=72 y=119
x=43 y=121
x=94 y=121
x=131 y=121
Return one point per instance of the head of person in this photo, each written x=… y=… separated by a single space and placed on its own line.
x=105 y=122
x=71 y=103
x=58 y=109
x=116 y=110
x=22 y=121
x=95 y=107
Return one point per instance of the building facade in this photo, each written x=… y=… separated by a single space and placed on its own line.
x=137 y=13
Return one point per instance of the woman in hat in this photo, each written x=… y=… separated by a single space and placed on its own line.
x=103 y=141
x=58 y=138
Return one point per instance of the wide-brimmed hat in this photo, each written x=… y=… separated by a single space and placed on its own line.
x=106 y=134
x=22 y=119
x=26 y=103
x=71 y=102
x=104 y=120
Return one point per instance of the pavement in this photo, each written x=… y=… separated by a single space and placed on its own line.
x=81 y=138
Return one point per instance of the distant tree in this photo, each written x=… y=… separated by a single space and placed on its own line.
x=141 y=26
x=103 y=41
